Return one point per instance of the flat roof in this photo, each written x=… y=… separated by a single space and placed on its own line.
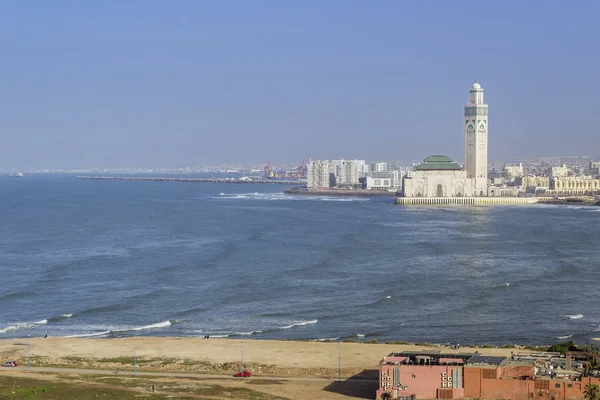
x=489 y=360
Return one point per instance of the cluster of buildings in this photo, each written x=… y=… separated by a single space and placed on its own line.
x=353 y=174
x=439 y=177
x=437 y=375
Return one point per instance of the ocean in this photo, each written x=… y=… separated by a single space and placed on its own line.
x=114 y=258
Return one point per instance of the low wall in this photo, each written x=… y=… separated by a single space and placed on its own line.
x=473 y=201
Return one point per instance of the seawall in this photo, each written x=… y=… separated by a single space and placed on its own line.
x=470 y=201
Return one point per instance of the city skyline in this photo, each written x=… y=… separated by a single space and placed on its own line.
x=207 y=84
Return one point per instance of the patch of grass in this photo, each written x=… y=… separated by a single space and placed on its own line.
x=403 y=343
x=263 y=382
x=117 y=360
x=30 y=389
x=372 y=341
x=94 y=387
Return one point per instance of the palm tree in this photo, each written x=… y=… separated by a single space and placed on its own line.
x=592 y=392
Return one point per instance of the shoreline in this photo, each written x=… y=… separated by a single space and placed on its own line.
x=339 y=192
x=263 y=357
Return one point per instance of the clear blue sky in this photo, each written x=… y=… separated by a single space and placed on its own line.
x=171 y=83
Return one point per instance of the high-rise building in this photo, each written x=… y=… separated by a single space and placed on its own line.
x=379 y=167
x=317 y=174
x=348 y=172
x=476 y=140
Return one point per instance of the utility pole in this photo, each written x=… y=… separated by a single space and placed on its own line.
x=134 y=359
x=29 y=352
x=242 y=358
x=339 y=361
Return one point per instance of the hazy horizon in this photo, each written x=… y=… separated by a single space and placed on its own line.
x=208 y=83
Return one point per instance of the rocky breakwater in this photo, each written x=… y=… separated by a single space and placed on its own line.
x=571 y=200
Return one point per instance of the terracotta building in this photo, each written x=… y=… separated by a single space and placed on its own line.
x=436 y=375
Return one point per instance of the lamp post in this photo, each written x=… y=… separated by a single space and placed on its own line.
x=242 y=358
x=134 y=359
x=339 y=361
x=29 y=352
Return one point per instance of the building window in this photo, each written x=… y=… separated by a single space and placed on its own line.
x=557 y=385
x=569 y=385
x=414 y=376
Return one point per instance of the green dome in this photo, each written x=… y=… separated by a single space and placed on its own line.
x=438 y=162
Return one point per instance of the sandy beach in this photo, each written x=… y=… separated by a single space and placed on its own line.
x=266 y=357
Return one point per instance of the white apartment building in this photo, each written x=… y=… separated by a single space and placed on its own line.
x=317 y=174
x=379 y=167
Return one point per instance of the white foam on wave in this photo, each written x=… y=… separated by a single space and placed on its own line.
x=333 y=339
x=67 y=315
x=302 y=323
x=564 y=337
x=388 y=297
x=575 y=316
x=360 y=335
x=218 y=336
x=105 y=332
x=246 y=333
x=144 y=327
x=23 y=325
x=84 y=335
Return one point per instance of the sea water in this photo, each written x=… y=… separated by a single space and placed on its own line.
x=115 y=258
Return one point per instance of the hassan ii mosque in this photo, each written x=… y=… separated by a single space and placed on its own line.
x=440 y=177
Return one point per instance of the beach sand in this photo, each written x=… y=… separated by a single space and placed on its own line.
x=266 y=357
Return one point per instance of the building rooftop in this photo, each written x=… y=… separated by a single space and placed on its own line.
x=438 y=162
x=487 y=360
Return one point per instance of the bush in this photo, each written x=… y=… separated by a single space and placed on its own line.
x=563 y=347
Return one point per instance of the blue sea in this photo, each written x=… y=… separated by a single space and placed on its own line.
x=113 y=258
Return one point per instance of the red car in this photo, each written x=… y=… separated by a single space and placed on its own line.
x=243 y=374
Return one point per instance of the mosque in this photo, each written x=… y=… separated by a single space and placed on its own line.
x=439 y=176
x=439 y=180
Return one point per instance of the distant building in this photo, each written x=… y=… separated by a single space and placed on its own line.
x=379 y=167
x=317 y=174
x=347 y=172
x=512 y=171
x=574 y=185
x=439 y=176
x=382 y=181
x=532 y=184
x=563 y=170
x=594 y=168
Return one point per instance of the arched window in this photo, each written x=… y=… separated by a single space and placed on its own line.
x=440 y=191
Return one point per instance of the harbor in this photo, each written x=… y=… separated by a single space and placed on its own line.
x=193 y=180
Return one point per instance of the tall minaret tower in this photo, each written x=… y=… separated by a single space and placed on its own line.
x=476 y=140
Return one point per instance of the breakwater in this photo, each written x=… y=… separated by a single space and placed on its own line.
x=339 y=192
x=192 y=180
x=474 y=201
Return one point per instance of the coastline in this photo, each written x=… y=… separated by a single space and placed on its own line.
x=338 y=192
x=262 y=357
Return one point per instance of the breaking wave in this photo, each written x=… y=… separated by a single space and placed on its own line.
x=23 y=325
x=575 y=316
x=157 y=325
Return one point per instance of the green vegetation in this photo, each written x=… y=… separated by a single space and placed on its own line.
x=592 y=392
x=563 y=347
x=403 y=343
x=109 y=388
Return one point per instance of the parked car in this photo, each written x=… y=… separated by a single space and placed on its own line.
x=10 y=364
x=243 y=374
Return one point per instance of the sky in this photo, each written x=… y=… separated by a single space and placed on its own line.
x=191 y=82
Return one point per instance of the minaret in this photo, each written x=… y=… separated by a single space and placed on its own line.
x=476 y=140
